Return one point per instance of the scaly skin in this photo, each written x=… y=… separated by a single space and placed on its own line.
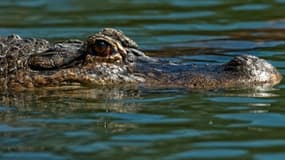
x=111 y=58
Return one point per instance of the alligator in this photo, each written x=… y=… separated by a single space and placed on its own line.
x=110 y=58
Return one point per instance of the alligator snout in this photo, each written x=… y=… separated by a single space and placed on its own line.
x=254 y=69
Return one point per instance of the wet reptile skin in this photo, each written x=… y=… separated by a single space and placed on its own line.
x=110 y=58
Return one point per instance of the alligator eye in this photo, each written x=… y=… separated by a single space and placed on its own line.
x=102 y=48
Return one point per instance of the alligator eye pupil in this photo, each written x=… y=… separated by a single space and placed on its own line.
x=102 y=48
x=100 y=44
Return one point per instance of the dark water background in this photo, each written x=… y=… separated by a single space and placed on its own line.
x=172 y=124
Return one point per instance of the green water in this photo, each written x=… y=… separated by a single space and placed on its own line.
x=170 y=123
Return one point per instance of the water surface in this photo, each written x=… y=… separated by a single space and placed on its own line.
x=166 y=123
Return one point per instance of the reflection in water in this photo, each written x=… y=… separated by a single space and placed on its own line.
x=60 y=100
x=117 y=99
x=95 y=121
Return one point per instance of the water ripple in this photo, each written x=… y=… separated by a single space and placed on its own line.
x=260 y=119
x=251 y=7
x=266 y=156
x=156 y=137
x=141 y=118
x=6 y=128
x=59 y=120
x=208 y=154
x=242 y=144
x=241 y=100
x=31 y=155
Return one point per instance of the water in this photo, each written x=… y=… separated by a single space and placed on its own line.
x=168 y=123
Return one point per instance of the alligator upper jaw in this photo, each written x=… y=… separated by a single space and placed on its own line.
x=245 y=71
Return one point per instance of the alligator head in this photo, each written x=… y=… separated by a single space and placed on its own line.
x=111 y=58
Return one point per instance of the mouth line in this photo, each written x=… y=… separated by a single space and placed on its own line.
x=115 y=58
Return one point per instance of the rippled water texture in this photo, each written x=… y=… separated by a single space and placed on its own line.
x=170 y=123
